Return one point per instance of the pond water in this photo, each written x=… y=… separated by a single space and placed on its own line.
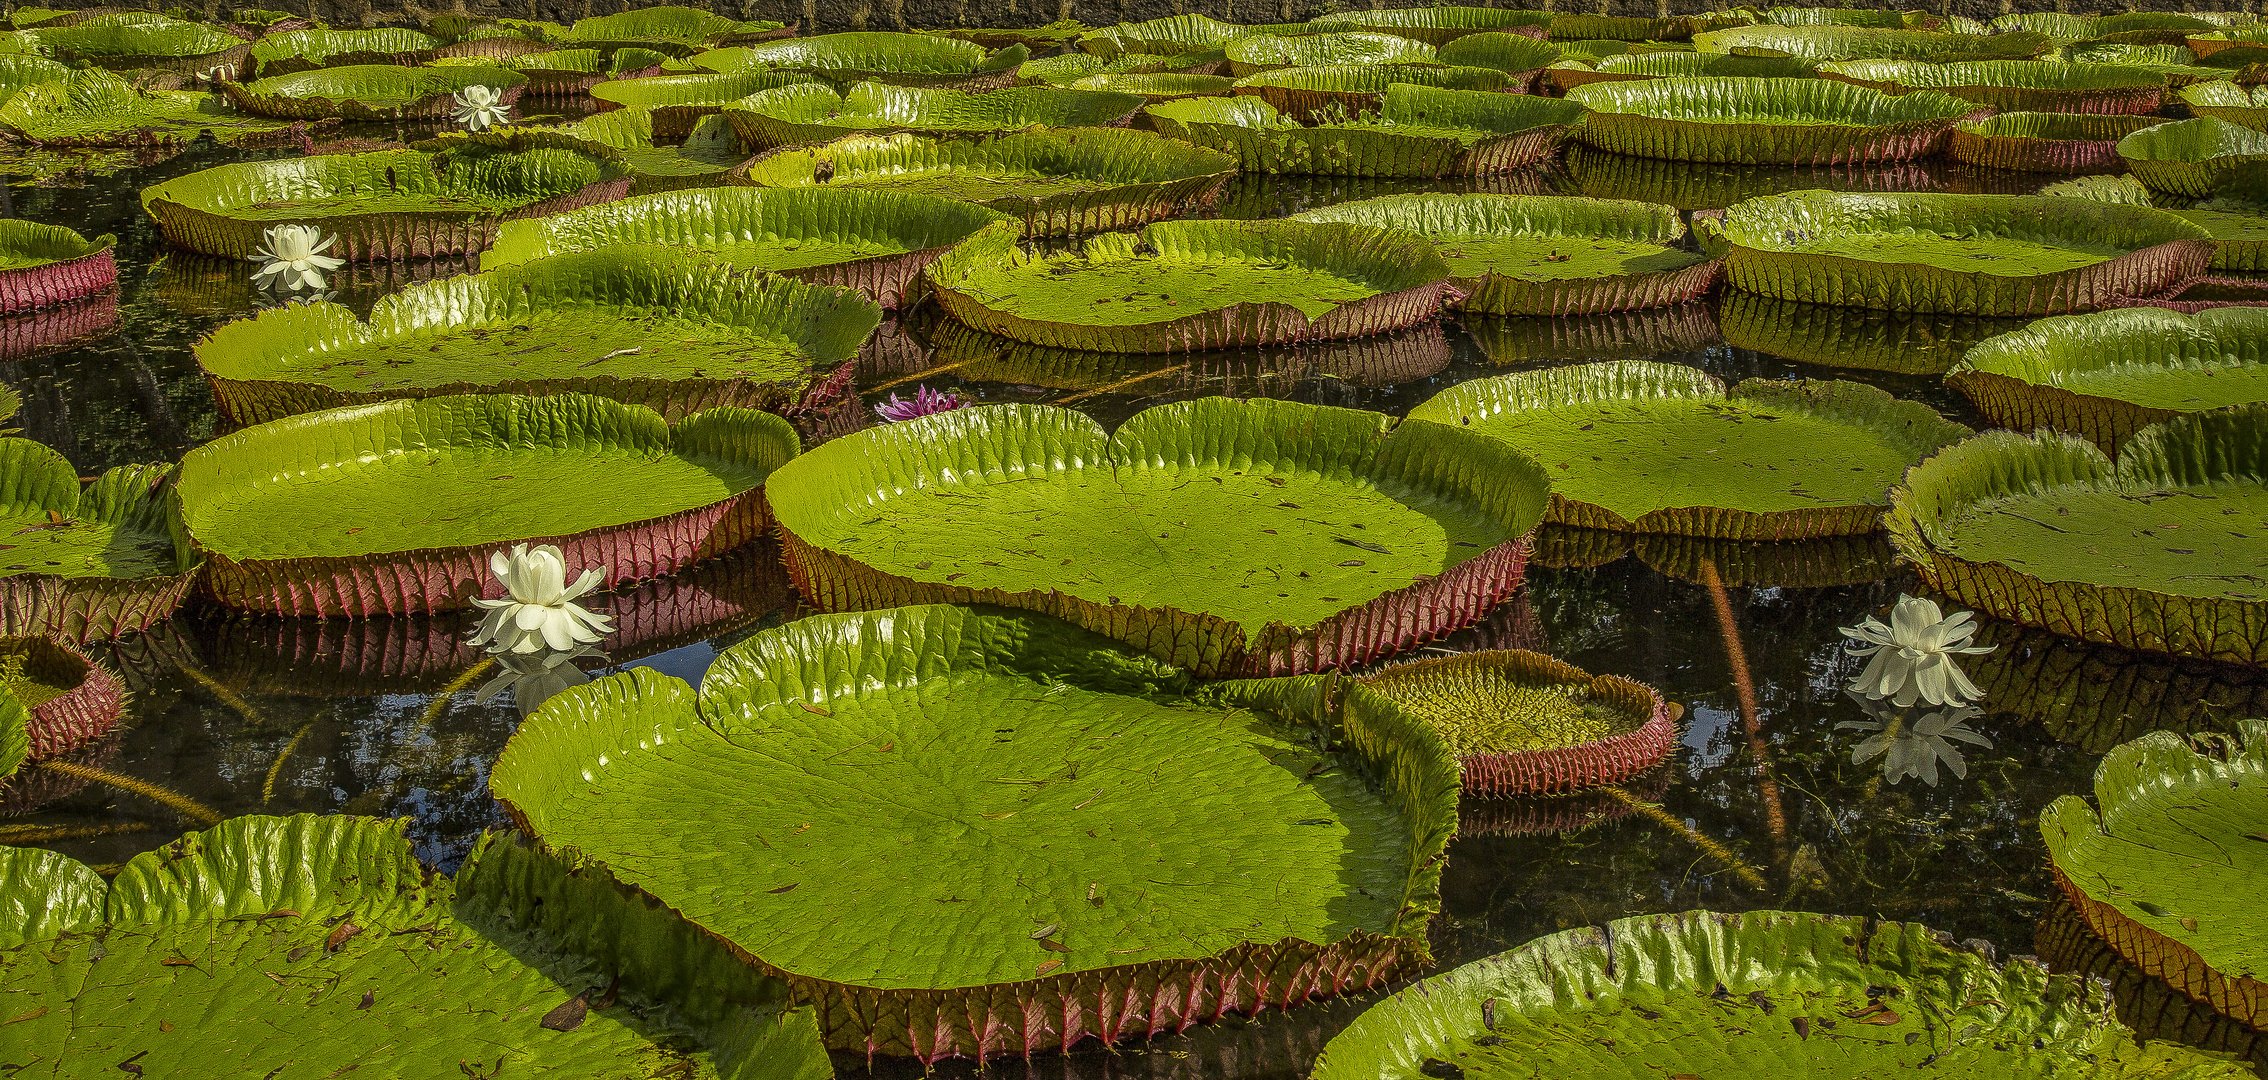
x=239 y=715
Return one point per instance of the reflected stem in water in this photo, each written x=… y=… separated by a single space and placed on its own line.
x=50 y=834
x=1708 y=845
x=226 y=696
x=268 y=786
x=1744 y=688
x=181 y=804
x=447 y=694
x=918 y=376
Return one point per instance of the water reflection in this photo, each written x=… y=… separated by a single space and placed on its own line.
x=530 y=679
x=1914 y=742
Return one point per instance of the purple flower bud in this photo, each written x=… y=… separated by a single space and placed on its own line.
x=924 y=402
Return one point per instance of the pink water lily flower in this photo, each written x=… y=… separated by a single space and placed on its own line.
x=924 y=402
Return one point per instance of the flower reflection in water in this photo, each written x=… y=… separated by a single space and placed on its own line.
x=1914 y=742
x=533 y=678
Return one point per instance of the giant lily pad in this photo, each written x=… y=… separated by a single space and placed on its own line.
x=2153 y=551
x=2015 y=85
x=1264 y=52
x=1060 y=183
x=677 y=102
x=1546 y=254
x=900 y=59
x=1826 y=44
x=2156 y=865
x=1260 y=536
x=1765 y=121
x=1156 y=86
x=1173 y=854
x=1647 y=447
x=570 y=73
x=370 y=92
x=1629 y=67
x=2194 y=158
x=1517 y=55
x=1072 y=67
x=131 y=40
x=84 y=564
x=1183 y=286
x=1582 y=26
x=876 y=242
x=669 y=28
x=1522 y=723
x=2244 y=106
x=2045 y=141
x=664 y=328
x=1173 y=35
x=1702 y=993
x=2110 y=374
x=70 y=701
x=1958 y=254
x=2132 y=27
x=388 y=205
x=301 y=50
x=1689 y=185
x=266 y=944
x=42 y=266
x=2148 y=1004
x=1435 y=25
x=710 y=151
x=1345 y=92
x=1418 y=132
x=94 y=108
x=794 y=115
x=439 y=484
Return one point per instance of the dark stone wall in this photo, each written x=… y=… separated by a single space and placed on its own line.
x=824 y=15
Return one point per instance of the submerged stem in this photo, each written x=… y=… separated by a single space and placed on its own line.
x=1744 y=689
x=181 y=804
x=1708 y=844
x=440 y=702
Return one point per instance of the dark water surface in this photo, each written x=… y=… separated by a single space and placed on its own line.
x=234 y=715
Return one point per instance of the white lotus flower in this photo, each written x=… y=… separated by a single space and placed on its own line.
x=1915 y=746
x=481 y=107
x=539 y=611
x=1911 y=658
x=533 y=678
x=293 y=257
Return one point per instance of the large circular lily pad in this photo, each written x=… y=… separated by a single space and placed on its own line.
x=1088 y=845
x=2045 y=141
x=71 y=700
x=676 y=103
x=395 y=507
x=275 y=946
x=2015 y=85
x=1548 y=255
x=95 y=108
x=661 y=327
x=1060 y=183
x=1264 y=52
x=1341 y=93
x=900 y=59
x=2157 y=551
x=671 y=28
x=385 y=206
x=1957 y=254
x=1436 y=25
x=1765 y=121
x=1825 y=44
x=2110 y=374
x=1224 y=536
x=2220 y=99
x=370 y=92
x=572 y=73
x=1628 y=67
x=138 y=40
x=1418 y=132
x=303 y=50
x=876 y=242
x=2194 y=158
x=1704 y=994
x=807 y=113
x=42 y=266
x=1522 y=723
x=1648 y=447
x=2163 y=864
x=85 y=564
x=1186 y=286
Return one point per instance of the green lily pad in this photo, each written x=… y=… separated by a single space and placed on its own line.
x=2112 y=189
x=317 y=939
x=18 y=72
x=2244 y=106
x=899 y=59
x=1435 y=26
x=85 y=564
x=43 y=266
x=1059 y=183
x=1546 y=254
x=678 y=102
x=2180 y=67
x=2194 y=158
x=1158 y=835
x=1958 y=254
x=1765 y=121
x=1649 y=447
x=1173 y=35
x=2148 y=1004
x=2015 y=85
x=1340 y=527
x=1184 y=286
x=1580 y=26
x=2056 y=142
x=1692 y=185
x=1517 y=55
x=1629 y=67
x=2239 y=229
x=1826 y=44
x=2155 y=870
x=875 y=242
x=2108 y=375
x=1346 y=92
x=709 y=153
x=1828 y=335
x=301 y=50
x=1522 y=723
x=15 y=737
x=2151 y=552
x=440 y=483
x=126 y=41
x=1702 y=993
x=1910 y=19
x=1041 y=40
x=94 y=108
x=796 y=115
x=1264 y=52
x=1156 y=86
x=668 y=28
x=1418 y=132
x=1072 y=67
x=388 y=205
x=661 y=327
x=370 y=92
x=569 y=73
x=2132 y=27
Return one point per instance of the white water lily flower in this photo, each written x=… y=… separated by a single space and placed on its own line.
x=1911 y=657
x=539 y=611
x=481 y=107
x=293 y=257
x=533 y=678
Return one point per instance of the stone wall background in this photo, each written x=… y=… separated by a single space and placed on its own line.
x=826 y=15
